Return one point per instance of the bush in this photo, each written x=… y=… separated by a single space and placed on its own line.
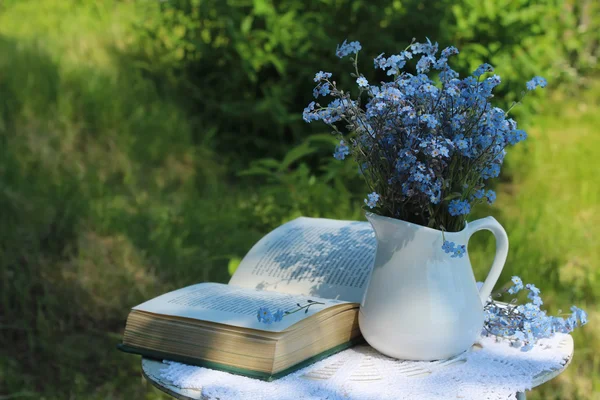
x=247 y=67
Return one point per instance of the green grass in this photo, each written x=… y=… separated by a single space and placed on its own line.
x=107 y=198
x=102 y=194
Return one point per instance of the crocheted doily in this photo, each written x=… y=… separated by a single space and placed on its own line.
x=491 y=369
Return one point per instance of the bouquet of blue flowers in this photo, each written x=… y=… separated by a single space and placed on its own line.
x=426 y=143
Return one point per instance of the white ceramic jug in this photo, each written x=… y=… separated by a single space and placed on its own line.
x=422 y=304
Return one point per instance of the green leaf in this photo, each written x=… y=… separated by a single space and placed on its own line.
x=452 y=196
x=256 y=170
x=263 y=7
x=279 y=66
x=295 y=154
x=247 y=24
x=323 y=138
x=233 y=264
x=268 y=162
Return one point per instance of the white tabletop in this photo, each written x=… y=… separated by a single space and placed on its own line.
x=367 y=367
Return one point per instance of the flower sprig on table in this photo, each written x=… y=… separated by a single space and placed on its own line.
x=265 y=315
x=524 y=324
x=426 y=143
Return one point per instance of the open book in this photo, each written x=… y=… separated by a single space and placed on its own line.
x=215 y=325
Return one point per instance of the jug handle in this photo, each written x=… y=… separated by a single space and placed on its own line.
x=490 y=224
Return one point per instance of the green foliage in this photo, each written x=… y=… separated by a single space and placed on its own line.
x=265 y=54
x=252 y=62
x=291 y=189
x=551 y=38
x=147 y=145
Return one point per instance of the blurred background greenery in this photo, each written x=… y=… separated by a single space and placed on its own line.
x=146 y=145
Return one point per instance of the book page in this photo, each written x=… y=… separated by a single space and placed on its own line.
x=312 y=257
x=231 y=305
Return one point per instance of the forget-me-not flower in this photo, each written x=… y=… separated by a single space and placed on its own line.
x=490 y=195
x=278 y=316
x=372 y=199
x=362 y=82
x=341 y=151
x=517 y=285
x=264 y=315
x=459 y=207
x=535 y=82
x=346 y=49
x=320 y=76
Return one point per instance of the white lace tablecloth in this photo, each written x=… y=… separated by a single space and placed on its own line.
x=489 y=370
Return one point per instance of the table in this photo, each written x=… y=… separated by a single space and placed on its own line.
x=151 y=370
